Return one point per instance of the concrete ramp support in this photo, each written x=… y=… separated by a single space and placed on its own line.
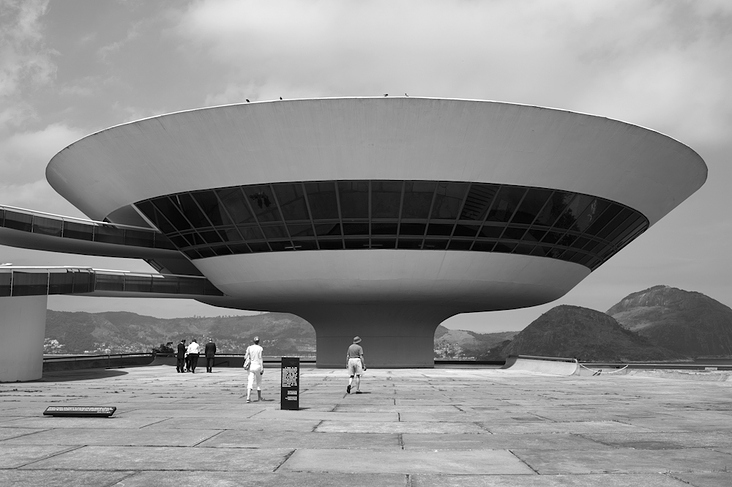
x=22 y=328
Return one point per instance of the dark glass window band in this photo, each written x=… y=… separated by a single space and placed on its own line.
x=389 y=214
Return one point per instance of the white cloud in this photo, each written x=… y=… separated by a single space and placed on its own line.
x=35 y=195
x=24 y=155
x=662 y=65
x=23 y=56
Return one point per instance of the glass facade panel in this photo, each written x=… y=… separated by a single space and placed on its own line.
x=262 y=203
x=409 y=243
x=251 y=232
x=506 y=204
x=478 y=202
x=356 y=228
x=47 y=226
x=60 y=283
x=275 y=231
x=190 y=210
x=579 y=203
x=211 y=207
x=172 y=213
x=291 y=198
x=440 y=229
x=418 y=199
x=531 y=205
x=465 y=230
x=384 y=228
x=78 y=231
x=383 y=243
x=235 y=204
x=435 y=244
x=301 y=229
x=379 y=214
x=386 y=197
x=514 y=233
x=322 y=199
x=409 y=228
x=328 y=229
x=553 y=208
x=448 y=200
x=354 y=198
x=109 y=234
x=29 y=283
x=18 y=221
x=356 y=243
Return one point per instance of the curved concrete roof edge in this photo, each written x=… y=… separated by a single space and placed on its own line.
x=691 y=182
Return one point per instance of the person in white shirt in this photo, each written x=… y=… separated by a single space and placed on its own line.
x=254 y=363
x=193 y=351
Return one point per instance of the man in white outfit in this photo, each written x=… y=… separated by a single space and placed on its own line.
x=253 y=358
x=193 y=351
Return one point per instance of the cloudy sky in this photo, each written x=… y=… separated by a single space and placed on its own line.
x=72 y=67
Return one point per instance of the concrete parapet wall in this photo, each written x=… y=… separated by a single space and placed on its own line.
x=23 y=328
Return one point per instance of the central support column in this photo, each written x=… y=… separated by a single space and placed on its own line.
x=394 y=335
x=23 y=329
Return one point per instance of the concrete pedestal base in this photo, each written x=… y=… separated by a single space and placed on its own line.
x=396 y=335
x=22 y=328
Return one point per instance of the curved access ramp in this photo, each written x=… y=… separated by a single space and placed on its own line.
x=541 y=365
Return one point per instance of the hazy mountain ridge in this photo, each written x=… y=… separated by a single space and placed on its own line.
x=125 y=332
x=462 y=344
x=689 y=323
x=585 y=334
x=656 y=324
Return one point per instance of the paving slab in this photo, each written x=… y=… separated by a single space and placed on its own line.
x=553 y=441
x=476 y=462
x=15 y=456
x=663 y=440
x=653 y=480
x=254 y=479
x=100 y=436
x=60 y=478
x=164 y=458
x=625 y=461
x=285 y=439
x=425 y=428
x=704 y=479
x=465 y=426
x=576 y=427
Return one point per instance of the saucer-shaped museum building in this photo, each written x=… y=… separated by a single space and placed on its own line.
x=381 y=217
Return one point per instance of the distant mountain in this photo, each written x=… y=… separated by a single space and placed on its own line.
x=660 y=323
x=461 y=344
x=689 y=323
x=124 y=332
x=585 y=334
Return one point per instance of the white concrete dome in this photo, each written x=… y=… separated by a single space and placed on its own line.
x=533 y=200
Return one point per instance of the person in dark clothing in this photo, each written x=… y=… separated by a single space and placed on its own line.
x=181 y=357
x=210 y=351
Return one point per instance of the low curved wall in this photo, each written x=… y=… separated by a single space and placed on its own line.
x=542 y=365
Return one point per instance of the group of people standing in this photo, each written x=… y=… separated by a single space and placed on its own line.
x=187 y=356
x=187 y=361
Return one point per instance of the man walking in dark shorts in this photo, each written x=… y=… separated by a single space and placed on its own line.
x=355 y=364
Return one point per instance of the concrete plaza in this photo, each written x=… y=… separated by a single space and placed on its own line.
x=410 y=428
